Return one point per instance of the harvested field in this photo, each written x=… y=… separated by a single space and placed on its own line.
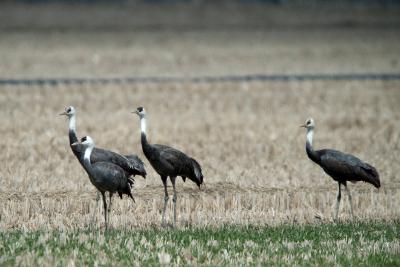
x=246 y=135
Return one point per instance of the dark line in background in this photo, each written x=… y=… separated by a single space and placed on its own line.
x=206 y=79
x=187 y=28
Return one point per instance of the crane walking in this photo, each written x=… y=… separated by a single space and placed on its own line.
x=168 y=162
x=105 y=176
x=340 y=166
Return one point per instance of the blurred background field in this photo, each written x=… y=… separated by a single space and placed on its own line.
x=245 y=134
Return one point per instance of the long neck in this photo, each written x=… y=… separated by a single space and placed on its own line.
x=72 y=130
x=310 y=151
x=143 y=138
x=86 y=159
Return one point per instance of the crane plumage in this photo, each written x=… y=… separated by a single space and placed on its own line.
x=105 y=176
x=131 y=164
x=340 y=166
x=168 y=162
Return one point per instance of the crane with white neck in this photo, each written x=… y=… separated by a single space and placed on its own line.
x=168 y=162
x=105 y=176
x=340 y=166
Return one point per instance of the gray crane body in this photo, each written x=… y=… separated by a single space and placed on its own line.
x=171 y=162
x=105 y=176
x=340 y=166
x=344 y=167
x=168 y=162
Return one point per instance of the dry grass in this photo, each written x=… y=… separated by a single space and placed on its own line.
x=246 y=136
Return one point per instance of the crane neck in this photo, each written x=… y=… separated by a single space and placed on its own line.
x=311 y=153
x=143 y=138
x=72 y=123
x=310 y=135
x=143 y=125
x=86 y=157
x=72 y=130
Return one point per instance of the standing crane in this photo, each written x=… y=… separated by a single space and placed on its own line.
x=168 y=162
x=105 y=176
x=131 y=164
x=340 y=166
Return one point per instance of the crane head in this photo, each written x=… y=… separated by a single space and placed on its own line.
x=69 y=111
x=140 y=111
x=87 y=141
x=309 y=125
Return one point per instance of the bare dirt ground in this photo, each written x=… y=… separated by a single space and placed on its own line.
x=245 y=135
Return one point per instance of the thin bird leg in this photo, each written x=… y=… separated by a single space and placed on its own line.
x=94 y=216
x=351 y=202
x=174 y=198
x=109 y=206
x=103 y=194
x=339 y=195
x=98 y=197
x=164 y=180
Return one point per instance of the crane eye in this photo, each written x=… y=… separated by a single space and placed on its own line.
x=83 y=139
x=69 y=110
x=140 y=109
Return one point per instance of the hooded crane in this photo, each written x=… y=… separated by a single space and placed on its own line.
x=131 y=164
x=340 y=166
x=168 y=161
x=105 y=176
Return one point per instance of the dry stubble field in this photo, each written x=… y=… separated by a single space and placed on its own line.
x=246 y=135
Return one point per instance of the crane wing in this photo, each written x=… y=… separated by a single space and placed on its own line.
x=174 y=157
x=132 y=165
x=185 y=166
x=348 y=167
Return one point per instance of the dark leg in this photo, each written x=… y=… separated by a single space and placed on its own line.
x=173 y=179
x=103 y=194
x=339 y=196
x=97 y=206
x=109 y=204
x=351 y=202
x=109 y=207
x=164 y=180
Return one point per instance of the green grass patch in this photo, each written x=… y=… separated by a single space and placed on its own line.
x=374 y=243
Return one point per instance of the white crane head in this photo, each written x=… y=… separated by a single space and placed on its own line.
x=140 y=111
x=69 y=112
x=309 y=125
x=87 y=141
